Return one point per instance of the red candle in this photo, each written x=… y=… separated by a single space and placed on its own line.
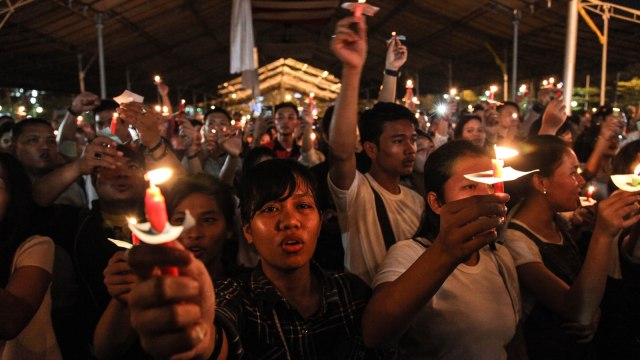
x=182 y=102
x=114 y=123
x=590 y=191
x=155 y=208
x=359 y=8
x=134 y=238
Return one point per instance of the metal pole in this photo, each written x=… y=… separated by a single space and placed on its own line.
x=605 y=46
x=586 y=95
x=615 y=94
x=514 y=69
x=505 y=76
x=450 y=74
x=103 y=81
x=417 y=84
x=80 y=73
x=570 y=52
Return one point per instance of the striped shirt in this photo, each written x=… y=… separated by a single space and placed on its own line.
x=261 y=324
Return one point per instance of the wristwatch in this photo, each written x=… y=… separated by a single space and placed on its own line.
x=394 y=73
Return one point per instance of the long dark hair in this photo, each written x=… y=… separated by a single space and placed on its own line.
x=437 y=171
x=15 y=227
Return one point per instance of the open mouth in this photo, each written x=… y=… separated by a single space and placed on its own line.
x=197 y=251
x=121 y=187
x=292 y=245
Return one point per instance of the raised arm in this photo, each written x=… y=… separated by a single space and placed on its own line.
x=396 y=57
x=465 y=226
x=351 y=48
x=554 y=116
x=608 y=133
x=580 y=301
x=100 y=152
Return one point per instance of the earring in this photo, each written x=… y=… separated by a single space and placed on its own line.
x=544 y=191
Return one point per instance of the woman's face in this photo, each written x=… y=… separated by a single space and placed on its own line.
x=285 y=232
x=564 y=185
x=206 y=239
x=458 y=187
x=473 y=131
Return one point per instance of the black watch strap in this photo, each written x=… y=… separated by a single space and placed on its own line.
x=394 y=73
x=72 y=112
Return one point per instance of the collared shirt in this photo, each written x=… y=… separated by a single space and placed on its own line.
x=261 y=324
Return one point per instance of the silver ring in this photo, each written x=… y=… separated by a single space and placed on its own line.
x=97 y=156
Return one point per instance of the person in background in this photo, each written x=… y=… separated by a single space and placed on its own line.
x=470 y=128
x=26 y=266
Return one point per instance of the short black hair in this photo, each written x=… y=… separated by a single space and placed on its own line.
x=18 y=129
x=217 y=110
x=6 y=127
x=284 y=105
x=372 y=121
x=508 y=103
x=272 y=180
x=457 y=132
x=252 y=156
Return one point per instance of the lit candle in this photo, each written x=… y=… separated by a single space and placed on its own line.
x=497 y=165
x=492 y=91
x=114 y=123
x=157 y=79
x=359 y=8
x=635 y=179
x=155 y=209
x=590 y=191
x=182 y=102
x=134 y=238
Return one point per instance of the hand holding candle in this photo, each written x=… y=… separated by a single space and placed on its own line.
x=361 y=8
x=134 y=239
x=114 y=123
x=156 y=209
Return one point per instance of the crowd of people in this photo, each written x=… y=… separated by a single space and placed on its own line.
x=367 y=243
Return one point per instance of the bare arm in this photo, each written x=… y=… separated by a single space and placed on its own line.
x=20 y=300
x=553 y=117
x=351 y=48
x=607 y=134
x=101 y=152
x=396 y=57
x=579 y=302
x=466 y=226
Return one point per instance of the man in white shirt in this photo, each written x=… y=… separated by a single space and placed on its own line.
x=388 y=136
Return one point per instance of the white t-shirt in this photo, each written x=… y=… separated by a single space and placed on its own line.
x=362 y=238
x=37 y=340
x=472 y=316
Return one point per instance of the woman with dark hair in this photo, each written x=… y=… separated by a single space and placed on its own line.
x=470 y=128
x=26 y=265
x=286 y=308
x=560 y=287
x=212 y=206
x=450 y=292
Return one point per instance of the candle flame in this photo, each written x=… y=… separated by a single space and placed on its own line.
x=115 y=115
x=453 y=91
x=551 y=80
x=636 y=171
x=313 y=136
x=493 y=88
x=504 y=152
x=393 y=33
x=183 y=101
x=158 y=176
x=132 y=220
x=591 y=189
x=409 y=83
x=157 y=78
x=312 y=95
x=158 y=108
x=362 y=1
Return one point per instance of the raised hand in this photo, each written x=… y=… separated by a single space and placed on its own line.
x=144 y=120
x=348 y=45
x=396 y=55
x=86 y=101
x=468 y=224
x=173 y=315
x=553 y=117
x=231 y=141
x=100 y=152
x=188 y=135
x=118 y=277
x=617 y=212
x=163 y=89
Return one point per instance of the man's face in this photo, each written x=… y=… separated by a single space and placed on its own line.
x=216 y=121
x=286 y=121
x=36 y=148
x=125 y=183
x=396 y=150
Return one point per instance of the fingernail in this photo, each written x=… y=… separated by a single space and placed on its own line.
x=199 y=332
x=502 y=220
